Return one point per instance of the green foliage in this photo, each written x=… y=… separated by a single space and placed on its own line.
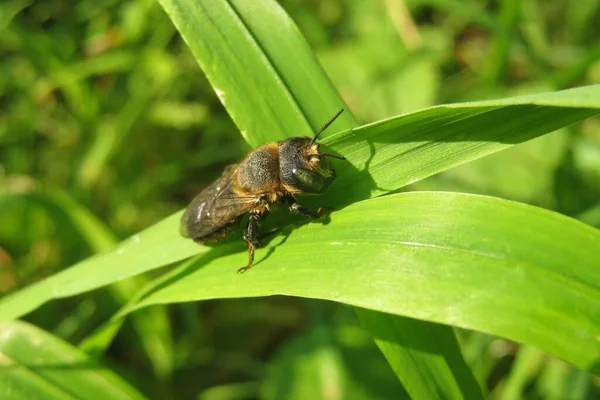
x=446 y=245
x=37 y=365
x=105 y=102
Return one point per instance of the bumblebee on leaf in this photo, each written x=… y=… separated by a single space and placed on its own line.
x=273 y=172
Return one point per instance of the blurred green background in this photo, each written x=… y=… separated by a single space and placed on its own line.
x=108 y=125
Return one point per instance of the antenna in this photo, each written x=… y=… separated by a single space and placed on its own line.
x=326 y=126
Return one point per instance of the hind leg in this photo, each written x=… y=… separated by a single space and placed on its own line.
x=251 y=239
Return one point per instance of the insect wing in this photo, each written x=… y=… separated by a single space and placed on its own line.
x=217 y=206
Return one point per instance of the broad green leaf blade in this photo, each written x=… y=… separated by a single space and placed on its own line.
x=285 y=52
x=389 y=154
x=102 y=270
x=443 y=257
x=38 y=365
x=383 y=157
x=260 y=66
x=290 y=55
x=425 y=356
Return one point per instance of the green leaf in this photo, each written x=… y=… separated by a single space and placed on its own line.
x=63 y=208
x=425 y=356
x=38 y=365
x=271 y=84
x=525 y=369
x=318 y=364
x=150 y=249
x=283 y=68
x=383 y=157
x=443 y=257
x=390 y=154
x=9 y=9
x=260 y=66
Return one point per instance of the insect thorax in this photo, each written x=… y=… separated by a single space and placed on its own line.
x=259 y=171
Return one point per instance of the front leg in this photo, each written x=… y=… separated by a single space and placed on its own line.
x=307 y=212
x=251 y=239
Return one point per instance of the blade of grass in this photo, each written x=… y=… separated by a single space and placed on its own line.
x=289 y=66
x=526 y=368
x=425 y=356
x=289 y=96
x=446 y=257
x=383 y=156
x=509 y=13
x=9 y=9
x=63 y=207
x=36 y=364
x=393 y=153
x=259 y=77
x=389 y=154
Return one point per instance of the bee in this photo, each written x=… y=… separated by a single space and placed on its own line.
x=272 y=173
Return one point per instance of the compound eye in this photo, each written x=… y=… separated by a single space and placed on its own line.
x=308 y=181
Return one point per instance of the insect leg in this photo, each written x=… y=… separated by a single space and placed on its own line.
x=251 y=238
x=307 y=212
